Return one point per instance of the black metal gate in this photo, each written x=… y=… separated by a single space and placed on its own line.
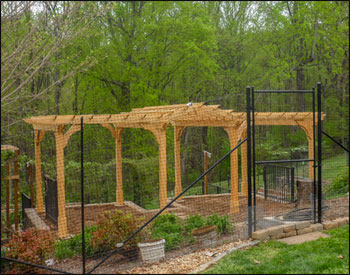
x=26 y=203
x=51 y=203
x=278 y=183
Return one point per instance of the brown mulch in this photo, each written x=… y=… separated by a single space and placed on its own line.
x=186 y=260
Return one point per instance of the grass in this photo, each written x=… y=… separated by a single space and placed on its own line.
x=322 y=256
x=331 y=167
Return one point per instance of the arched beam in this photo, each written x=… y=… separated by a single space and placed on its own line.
x=117 y=135
x=307 y=127
x=159 y=132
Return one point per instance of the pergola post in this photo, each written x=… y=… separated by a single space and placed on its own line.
x=117 y=135
x=38 y=136
x=62 y=218
x=177 y=144
x=244 y=184
x=118 y=163
x=234 y=203
x=308 y=129
x=159 y=132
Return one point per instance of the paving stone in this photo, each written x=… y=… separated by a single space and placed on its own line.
x=316 y=227
x=261 y=234
x=278 y=236
x=301 y=225
x=342 y=221
x=291 y=233
x=304 y=230
x=304 y=238
x=275 y=230
x=288 y=228
x=329 y=225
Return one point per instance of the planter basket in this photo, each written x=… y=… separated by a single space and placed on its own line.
x=206 y=237
x=152 y=251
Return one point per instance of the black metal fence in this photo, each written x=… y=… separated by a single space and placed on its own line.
x=26 y=203
x=51 y=203
x=278 y=183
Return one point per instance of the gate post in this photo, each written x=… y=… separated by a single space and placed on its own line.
x=319 y=152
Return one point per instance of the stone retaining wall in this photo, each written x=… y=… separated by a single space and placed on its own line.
x=299 y=228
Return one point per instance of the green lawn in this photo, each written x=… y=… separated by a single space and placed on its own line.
x=325 y=255
x=331 y=167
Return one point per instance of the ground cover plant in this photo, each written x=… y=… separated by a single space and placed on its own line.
x=177 y=232
x=71 y=247
x=32 y=245
x=322 y=256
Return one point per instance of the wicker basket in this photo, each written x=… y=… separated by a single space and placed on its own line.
x=206 y=237
x=152 y=251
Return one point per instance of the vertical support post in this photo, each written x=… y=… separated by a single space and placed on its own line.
x=119 y=167
x=31 y=181
x=163 y=197
x=206 y=161
x=38 y=179
x=292 y=185
x=314 y=164
x=249 y=155
x=159 y=133
x=15 y=182
x=244 y=185
x=265 y=184
x=319 y=151
x=8 y=224
x=61 y=194
x=254 y=176
x=234 y=203
x=82 y=190
x=177 y=145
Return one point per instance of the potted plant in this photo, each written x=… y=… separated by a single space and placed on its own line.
x=152 y=250
x=206 y=236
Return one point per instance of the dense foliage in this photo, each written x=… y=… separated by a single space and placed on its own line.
x=34 y=246
x=80 y=57
x=177 y=232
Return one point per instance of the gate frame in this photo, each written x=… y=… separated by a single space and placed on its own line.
x=251 y=156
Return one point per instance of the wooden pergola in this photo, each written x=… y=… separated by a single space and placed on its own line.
x=156 y=119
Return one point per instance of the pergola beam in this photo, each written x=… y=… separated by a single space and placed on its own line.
x=156 y=119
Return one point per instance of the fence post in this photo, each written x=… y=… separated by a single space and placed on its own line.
x=15 y=181
x=249 y=155
x=292 y=184
x=31 y=179
x=8 y=225
x=82 y=190
x=265 y=184
x=319 y=151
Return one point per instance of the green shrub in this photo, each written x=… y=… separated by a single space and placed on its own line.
x=71 y=247
x=222 y=222
x=33 y=246
x=193 y=222
x=170 y=228
x=340 y=185
x=114 y=227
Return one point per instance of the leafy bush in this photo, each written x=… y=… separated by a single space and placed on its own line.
x=193 y=222
x=70 y=247
x=114 y=227
x=340 y=185
x=170 y=228
x=222 y=222
x=33 y=245
x=174 y=231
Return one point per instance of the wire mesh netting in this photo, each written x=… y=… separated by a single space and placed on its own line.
x=162 y=182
